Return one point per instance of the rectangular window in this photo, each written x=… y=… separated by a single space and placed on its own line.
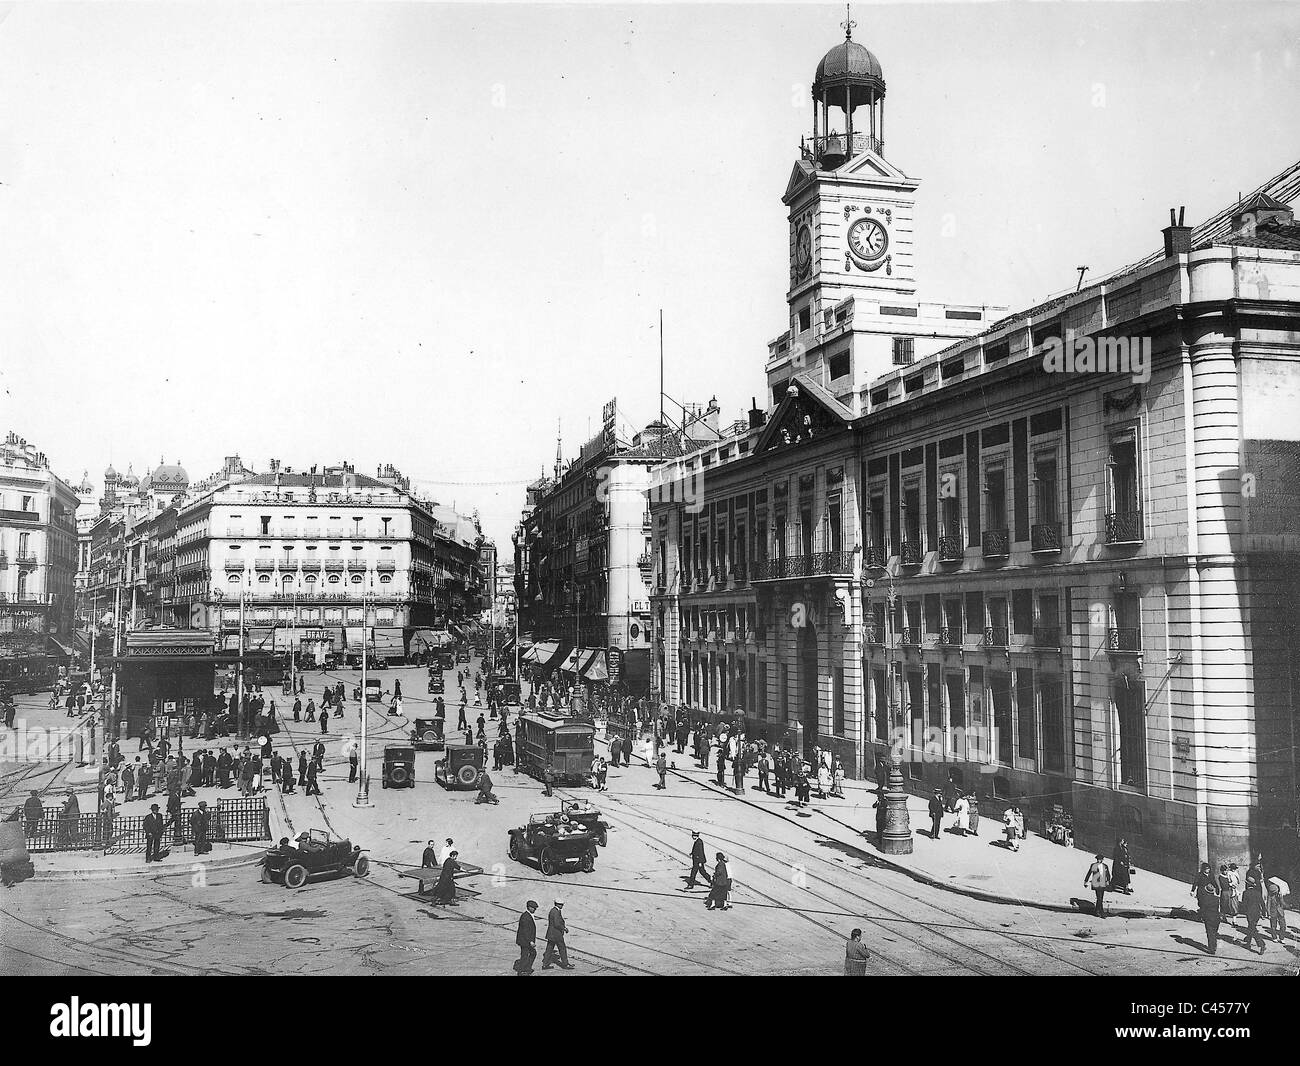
x=837 y=700
x=934 y=701
x=880 y=701
x=904 y=350
x=1131 y=734
x=266 y=525
x=950 y=504
x=1000 y=694
x=956 y=708
x=805 y=319
x=915 y=707
x=952 y=620
x=975 y=613
x=840 y=365
x=785 y=692
x=911 y=516
x=995 y=496
x=933 y=616
x=1049 y=695
x=1047 y=510
x=876 y=519
x=760 y=685
x=805 y=531
x=834 y=518
x=1026 y=739
x=1022 y=611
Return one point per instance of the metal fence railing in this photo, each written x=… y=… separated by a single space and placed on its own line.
x=232 y=820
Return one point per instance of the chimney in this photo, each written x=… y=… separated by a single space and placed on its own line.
x=756 y=415
x=1178 y=238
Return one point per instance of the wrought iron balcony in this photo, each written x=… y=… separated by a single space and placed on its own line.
x=740 y=573
x=909 y=553
x=645 y=561
x=333 y=564
x=951 y=549
x=831 y=149
x=25 y=558
x=1124 y=527
x=358 y=563
x=311 y=564
x=1047 y=636
x=264 y=564
x=949 y=637
x=386 y=564
x=819 y=564
x=873 y=555
x=996 y=543
x=1124 y=639
x=995 y=637
x=1045 y=537
x=909 y=635
x=720 y=577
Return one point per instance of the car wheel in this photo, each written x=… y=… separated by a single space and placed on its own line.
x=603 y=839
x=295 y=876
x=547 y=863
x=362 y=866
x=589 y=861
x=266 y=874
x=468 y=776
x=513 y=849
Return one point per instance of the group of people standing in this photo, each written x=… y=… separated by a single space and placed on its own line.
x=1222 y=897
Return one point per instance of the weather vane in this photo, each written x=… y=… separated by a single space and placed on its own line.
x=848 y=22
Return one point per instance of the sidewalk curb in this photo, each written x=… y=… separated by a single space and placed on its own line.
x=926 y=879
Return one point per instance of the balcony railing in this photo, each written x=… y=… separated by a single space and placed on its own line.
x=873 y=555
x=386 y=564
x=234 y=531
x=4 y=560
x=311 y=564
x=827 y=148
x=333 y=564
x=647 y=521
x=1045 y=537
x=820 y=564
x=25 y=558
x=909 y=635
x=909 y=553
x=996 y=543
x=951 y=549
x=949 y=636
x=740 y=573
x=357 y=563
x=1047 y=636
x=1124 y=639
x=995 y=637
x=645 y=561
x=288 y=531
x=1124 y=527
x=720 y=577
x=264 y=563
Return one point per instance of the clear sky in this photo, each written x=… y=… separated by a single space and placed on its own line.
x=421 y=234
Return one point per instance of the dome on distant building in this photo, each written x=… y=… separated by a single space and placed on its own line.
x=85 y=485
x=129 y=479
x=168 y=477
x=109 y=473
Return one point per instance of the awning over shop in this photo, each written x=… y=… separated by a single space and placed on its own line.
x=578 y=660
x=545 y=652
x=594 y=668
x=430 y=638
x=387 y=640
x=60 y=647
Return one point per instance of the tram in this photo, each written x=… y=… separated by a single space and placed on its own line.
x=566 y=744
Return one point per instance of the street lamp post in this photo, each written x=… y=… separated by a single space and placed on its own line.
x=363 y=776
x=897 y=837
x=239 y=676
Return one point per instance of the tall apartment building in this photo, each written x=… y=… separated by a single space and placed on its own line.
x=1055 y=558
x=37 y=563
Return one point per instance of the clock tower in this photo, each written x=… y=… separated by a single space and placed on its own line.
x=851 y=212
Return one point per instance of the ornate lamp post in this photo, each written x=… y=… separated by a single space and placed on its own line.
x=363 y=776
x=897 y=836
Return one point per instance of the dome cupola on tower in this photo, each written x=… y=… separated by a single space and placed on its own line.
x=848 y=78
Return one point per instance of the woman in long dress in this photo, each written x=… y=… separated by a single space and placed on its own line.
x=1229 y=895
x=962 y=811
x=1121 y=866
x=973 y=823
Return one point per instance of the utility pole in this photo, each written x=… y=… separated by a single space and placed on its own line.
x=239 y=678
x=363 y=776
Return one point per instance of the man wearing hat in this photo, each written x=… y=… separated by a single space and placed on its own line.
x=526 y=939
x=936 y=814
x=199 y=822
x=698 y=861
x=555 y=930
x=1098 y=879
x=153 y=829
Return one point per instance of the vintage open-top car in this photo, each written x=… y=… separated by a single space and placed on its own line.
x=313 y=855
x=554 y=841
x=587 y=817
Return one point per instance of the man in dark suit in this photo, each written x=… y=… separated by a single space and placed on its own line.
x=698 y=860
x=430 y=857
x=555 y=930
x=302 y=769
x=313 y=788
x=526 y=939
x=936 y=814
x=153 y=830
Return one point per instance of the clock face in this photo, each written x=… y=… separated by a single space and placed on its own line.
x=803 y=251
x=868 y=240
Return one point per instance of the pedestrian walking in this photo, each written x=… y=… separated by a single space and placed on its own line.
x=661 y=768
x=200 y=820
x=1011 y=829
x=354 y=761
x=556 y=928
x=324 y=720
x=719 y=896
x=313 y=786
x=699 y=861
x=961 y=810
x=302 y=769
x=1253 y=907
x=1205 y=888
x=722 y=765
x=764 y=768
x=1277 y=891
x=526 y=939
x=311 y=711
x=297 y=710
x=855 y=955
x=1098 y=879
x=602 y=773
x=1121 y=868
x=548 y=780
x=445 y=890
x=936 y=814
x=1229 y=897
x=973 y=823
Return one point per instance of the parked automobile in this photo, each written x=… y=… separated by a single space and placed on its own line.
x=314 y=855
x=555 y=843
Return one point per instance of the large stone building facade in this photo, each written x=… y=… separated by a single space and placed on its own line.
x=37 y=564
x=1051 y=555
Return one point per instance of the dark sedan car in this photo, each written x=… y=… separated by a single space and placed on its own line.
x=313 y=855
